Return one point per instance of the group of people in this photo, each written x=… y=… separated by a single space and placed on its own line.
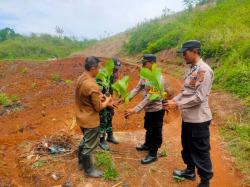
x=95 y=110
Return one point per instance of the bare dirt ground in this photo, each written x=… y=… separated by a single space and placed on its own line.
x=48 y=109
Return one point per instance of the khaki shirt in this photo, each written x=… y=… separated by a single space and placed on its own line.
x=88 y=103
x=146 y=104
x=193 y=99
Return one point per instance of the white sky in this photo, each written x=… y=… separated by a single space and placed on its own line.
x=81 y=18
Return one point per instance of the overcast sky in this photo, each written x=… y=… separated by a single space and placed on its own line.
x=81 y=18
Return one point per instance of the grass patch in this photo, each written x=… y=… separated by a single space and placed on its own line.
x=34 y=85
x=14 y=98
x=105 y=162
x=237 y=136
x=24 y=71
x=5 y=100
x=56 y=77
x=68 y=82
x=38 y=164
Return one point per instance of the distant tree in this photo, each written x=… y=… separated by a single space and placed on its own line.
x=59 y=31
x=7 y=33
x=166 y=12
x=189 y=4
x=202 y=2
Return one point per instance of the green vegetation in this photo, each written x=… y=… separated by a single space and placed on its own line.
x=24 y=71
x=237 y=134
x=56 y=77
x=34 y=85
x=4 y=100
x=14 y=98
x=68 y=82
x=104 y=161
x=38 y=164
x=223 y=29
x=38 y=47
x=104 y=75
x=154 y=82
x=120 y=87
x=7 y=100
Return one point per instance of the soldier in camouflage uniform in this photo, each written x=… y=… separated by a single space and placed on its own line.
x=106 y=115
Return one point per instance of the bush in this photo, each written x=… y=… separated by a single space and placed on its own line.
x=40 y=47
x=4 y=100
x=224 y=31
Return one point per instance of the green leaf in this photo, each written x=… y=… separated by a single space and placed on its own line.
x=153 y=80
x=120 y=87
x=154 y=97
x=104 y=75
x=109 y=66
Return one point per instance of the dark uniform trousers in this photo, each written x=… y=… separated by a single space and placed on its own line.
x=195 y=138
x=153 y=122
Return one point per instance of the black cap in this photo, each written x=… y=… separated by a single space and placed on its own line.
x=192 y=44
x=148 y=58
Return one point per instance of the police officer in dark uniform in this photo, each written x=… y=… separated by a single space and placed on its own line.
x=196 y=115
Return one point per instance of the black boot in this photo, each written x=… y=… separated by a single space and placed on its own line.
x=188 y=173
x=151 y=157
x=111 y=138
x=89 y=167
x=142 y=147
x=203 y=183
x=103 y=144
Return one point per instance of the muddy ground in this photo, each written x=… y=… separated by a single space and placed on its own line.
x=46 y=109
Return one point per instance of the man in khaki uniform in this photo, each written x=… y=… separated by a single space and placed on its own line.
x=88 y=105
x=154 y=114
x=196 y=115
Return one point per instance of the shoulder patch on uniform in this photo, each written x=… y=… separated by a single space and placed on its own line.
x=201 y=75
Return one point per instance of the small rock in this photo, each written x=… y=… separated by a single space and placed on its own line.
x=55 y=176
x=67 y=184
x=30 y=156
x=43 y=113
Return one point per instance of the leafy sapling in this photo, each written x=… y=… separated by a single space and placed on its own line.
x=103 y=78
x=120 y=87
x=154 y=81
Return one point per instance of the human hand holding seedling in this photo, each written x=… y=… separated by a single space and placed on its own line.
x=107 y=101
x=171 y=104
x=129 y=112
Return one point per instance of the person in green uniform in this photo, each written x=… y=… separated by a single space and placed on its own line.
x=106 y=115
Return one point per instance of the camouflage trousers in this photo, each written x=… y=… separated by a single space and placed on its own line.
x=106 y=117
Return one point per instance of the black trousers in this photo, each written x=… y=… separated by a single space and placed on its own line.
x=153 y=122
x=195 y=139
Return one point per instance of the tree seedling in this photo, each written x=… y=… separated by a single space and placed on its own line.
x=104 y=75
x=153 y=80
